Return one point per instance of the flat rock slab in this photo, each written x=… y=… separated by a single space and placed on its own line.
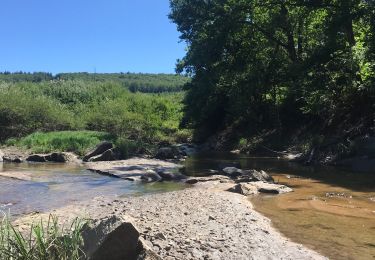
x=131 y=169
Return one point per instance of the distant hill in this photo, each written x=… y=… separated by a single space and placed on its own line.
x=135 y=82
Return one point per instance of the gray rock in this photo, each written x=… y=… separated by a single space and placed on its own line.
x=108 y=155
x=244 y=189
x=1 y=156
x=99 y=149
x=110 y=238
x=232 y=172
x=219 y=178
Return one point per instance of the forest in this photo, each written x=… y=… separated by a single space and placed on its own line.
x=292 y=67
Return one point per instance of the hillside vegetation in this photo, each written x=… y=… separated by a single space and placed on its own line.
x=286 y=65
x=135 y=82
x=133 y=120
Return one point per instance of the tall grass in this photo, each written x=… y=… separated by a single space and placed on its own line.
x=44 y=241
x=78 y=142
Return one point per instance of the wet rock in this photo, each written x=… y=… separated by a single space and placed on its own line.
x=133 y=169
x=57 y=157
x=12 y=159
x=244 y=189
x=151 y=176
x=53 y=157
x=36 y=158
x=232 y=172
x=271 y=188
x=110 y=238
x=170 y=176
x=220 y=178
x=109 y=155
x=99 y=149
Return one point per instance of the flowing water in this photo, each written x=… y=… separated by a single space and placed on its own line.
x=42 y=187
x=331 y=211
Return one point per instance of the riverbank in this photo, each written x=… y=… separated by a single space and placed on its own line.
x=203 y=222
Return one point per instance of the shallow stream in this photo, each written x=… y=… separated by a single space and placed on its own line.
x=331 y=211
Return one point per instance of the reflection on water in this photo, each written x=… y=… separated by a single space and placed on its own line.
x=331 y=211
x=42 y=187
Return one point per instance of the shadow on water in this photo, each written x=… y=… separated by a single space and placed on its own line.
x=200 y=165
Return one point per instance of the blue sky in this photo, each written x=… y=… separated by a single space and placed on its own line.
x=84 y=35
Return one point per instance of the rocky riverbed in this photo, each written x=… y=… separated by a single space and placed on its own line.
x=203 y=222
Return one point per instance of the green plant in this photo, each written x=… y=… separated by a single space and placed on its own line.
x=44 y=241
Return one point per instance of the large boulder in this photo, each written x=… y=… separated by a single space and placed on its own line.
x=112 y=238
x=99 y=149
x=1 y=156
x=109 y=155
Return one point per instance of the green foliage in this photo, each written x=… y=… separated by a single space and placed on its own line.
x=76 y=105
x=266 y=64
x=135 y=82
x=78 y=142
x=46 y=241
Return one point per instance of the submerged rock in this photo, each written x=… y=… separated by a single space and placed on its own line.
x=99 y=149
x=138 y=169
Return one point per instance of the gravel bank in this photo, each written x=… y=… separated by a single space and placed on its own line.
x=198 y=223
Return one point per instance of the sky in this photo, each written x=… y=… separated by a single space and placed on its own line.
x=88 y=35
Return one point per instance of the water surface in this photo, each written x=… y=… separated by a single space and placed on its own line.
x=46 y=186
x=331 y=211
